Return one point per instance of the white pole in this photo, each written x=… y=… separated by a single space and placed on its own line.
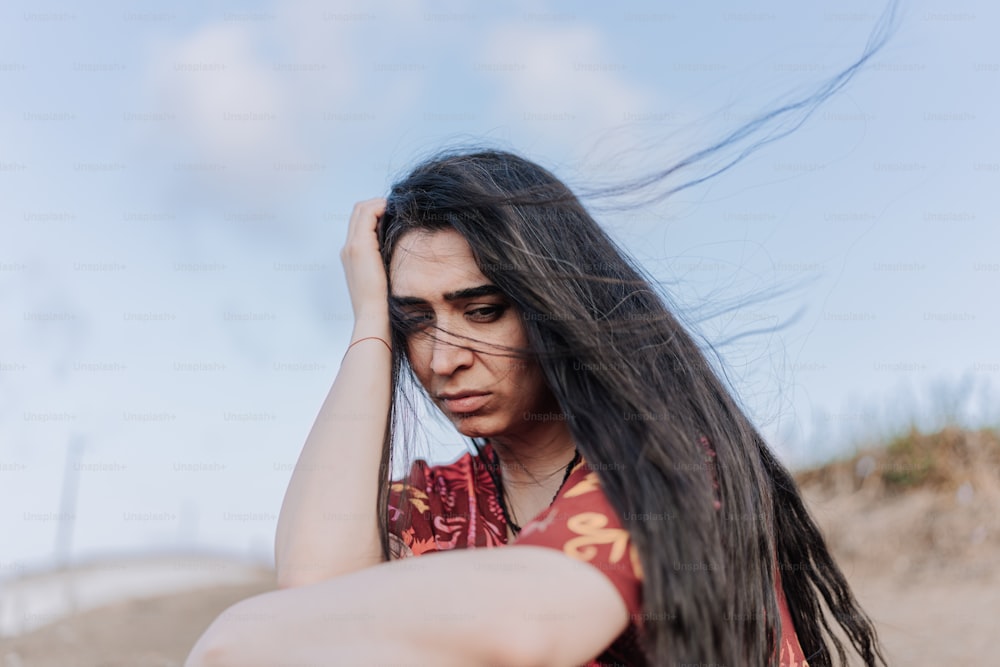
x=67 y=513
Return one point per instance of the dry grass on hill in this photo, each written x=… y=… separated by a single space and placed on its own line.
x=922 y=504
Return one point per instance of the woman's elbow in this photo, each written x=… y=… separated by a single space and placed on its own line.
x=210 y=651
x=224 y=643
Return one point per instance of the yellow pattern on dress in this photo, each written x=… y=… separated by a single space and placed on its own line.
x=590 y=526
x=633 y=555
x=585 y=485
x=417 y=497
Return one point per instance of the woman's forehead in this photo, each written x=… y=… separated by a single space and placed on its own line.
x=429 y=264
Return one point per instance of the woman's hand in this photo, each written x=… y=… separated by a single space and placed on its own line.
x=366 y=279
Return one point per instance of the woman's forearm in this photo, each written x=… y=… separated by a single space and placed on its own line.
x=517 y=605
x=328 y=523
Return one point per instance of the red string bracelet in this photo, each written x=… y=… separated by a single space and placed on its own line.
x=382 y=340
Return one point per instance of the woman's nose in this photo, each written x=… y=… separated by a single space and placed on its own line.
x=449 y=353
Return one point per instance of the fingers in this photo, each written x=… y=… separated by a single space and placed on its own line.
x=361 y=238
x=362 y=261
x=365 y=216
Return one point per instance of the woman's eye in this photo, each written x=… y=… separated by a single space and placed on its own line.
x=485 y=313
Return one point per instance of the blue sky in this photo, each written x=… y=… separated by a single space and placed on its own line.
x=175 y=181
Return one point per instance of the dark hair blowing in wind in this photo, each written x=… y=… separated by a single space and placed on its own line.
x=637 y=390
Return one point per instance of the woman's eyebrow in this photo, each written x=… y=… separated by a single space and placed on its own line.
x=457 y=295
x=472 y=292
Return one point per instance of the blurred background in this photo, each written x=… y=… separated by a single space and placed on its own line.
x=175 y=184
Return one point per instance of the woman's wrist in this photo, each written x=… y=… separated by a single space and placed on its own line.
x=371 y=328
x=371 y=339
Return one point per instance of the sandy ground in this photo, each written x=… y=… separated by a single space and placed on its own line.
x=947 y=622
x=30 y=602
x=925 y=566
x=145 y=632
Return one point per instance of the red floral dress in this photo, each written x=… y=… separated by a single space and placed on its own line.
x=454 y=506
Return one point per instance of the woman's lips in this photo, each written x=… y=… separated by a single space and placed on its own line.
x=467 y=403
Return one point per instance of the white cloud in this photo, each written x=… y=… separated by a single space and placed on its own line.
x=548 y=71
x=247 y=100
x=213 y=80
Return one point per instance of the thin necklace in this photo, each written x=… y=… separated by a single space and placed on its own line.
x=498 y=484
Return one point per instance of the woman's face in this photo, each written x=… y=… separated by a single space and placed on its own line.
x=462 y=327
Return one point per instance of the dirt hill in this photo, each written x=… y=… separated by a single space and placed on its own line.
x=922 y=505
x=915 y=526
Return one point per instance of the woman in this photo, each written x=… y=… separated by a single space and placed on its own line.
x=647 y=521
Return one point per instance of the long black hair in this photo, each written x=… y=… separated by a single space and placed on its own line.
x=639 y=394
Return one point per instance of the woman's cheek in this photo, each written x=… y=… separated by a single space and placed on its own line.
x=419 y=360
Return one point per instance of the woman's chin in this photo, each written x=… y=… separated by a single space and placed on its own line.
x=474 y=426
